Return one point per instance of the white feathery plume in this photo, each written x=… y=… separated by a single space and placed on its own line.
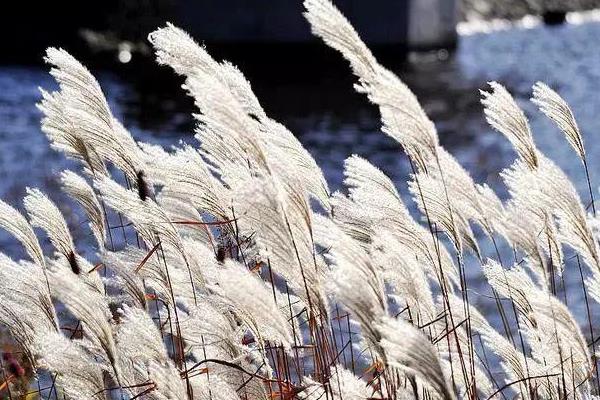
x=345 y=385
x=78 y=373
x=560 y=196
x=294 y=203
x=408 y=349
x=553 y=316
x=213 y=388
x=361 y=177
x=553 y=246
x=513 y=362
x=535 y=238
x=557 y=109
x=453 y=354
x=529 y=201
x=175 y=274
x=138 y=337
x=405 y=276
x=447 y=195
x=139 y=270
x=212 y=329
x=157 y=231
x=26 y=309
x=328 y=23
x=44 y=214
x=559 y=347
x=402 y=116
x=86 y=107
x=177 y=49
x=184 y=175
x=230 y=139
x=311 y=390
x=513 y=284
x=119 y=147
x=356 y=218
x=485 y=386
x=228 y=134
x=503 y=114
x=153 y=155
x=203 y=262
x=63 y=133
x=144 y=356
x=470 y=201
x=124 y=266
x=240 y=87
x=78 y=188
x=434 y=201
x=190 y=223
x=252 y=301
x=167 y=382
x=15 y=223
x=376 y=205
x=253 y=175
x=549 y=190
x=357 y=281
x=151 y=272
x=491 y=210
x=545 y=192
x=281 y=144
x=279 y=217
x=549 y=327
x=593 y=282
x=76 y=79
x=149 y=219
x=516 y=285
x=90 y=306
x=593 y=285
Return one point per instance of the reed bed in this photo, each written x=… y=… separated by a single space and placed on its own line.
x=229 y=270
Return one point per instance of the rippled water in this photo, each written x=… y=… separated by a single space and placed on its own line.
x=333 y=122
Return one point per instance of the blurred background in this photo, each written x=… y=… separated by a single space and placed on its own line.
x=445 y=50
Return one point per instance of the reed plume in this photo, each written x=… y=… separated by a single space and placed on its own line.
x=234 y=272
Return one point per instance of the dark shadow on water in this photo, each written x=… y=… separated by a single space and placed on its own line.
x=294 y=83
x=290 y=81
